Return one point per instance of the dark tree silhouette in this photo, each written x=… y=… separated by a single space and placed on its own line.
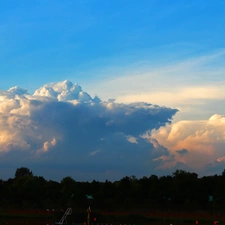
x=23 y=171
x=182 y=190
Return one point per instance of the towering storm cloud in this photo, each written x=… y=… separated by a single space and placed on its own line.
x=61 y=126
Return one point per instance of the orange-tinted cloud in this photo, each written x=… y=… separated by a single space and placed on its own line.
x=204 y=141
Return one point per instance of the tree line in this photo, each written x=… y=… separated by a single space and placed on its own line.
x=181 y=190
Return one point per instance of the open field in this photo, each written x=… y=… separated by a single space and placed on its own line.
x=33 y=217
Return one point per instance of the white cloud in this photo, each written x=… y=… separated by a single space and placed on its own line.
x=95 y=152
x=57 y=127
x=63 y=91
x=17 y=91
x=61 y=124
x=132 y=139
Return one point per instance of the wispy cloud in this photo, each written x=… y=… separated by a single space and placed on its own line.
x=188 y=84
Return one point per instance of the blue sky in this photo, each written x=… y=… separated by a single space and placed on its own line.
x=167 y=53
x=80 y=40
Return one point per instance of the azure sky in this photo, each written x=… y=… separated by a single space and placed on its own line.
x=148 y=75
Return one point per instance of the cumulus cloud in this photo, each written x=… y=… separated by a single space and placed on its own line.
x=64 y=128
x=202 y=143
x=61 y=125
x=65 y=91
